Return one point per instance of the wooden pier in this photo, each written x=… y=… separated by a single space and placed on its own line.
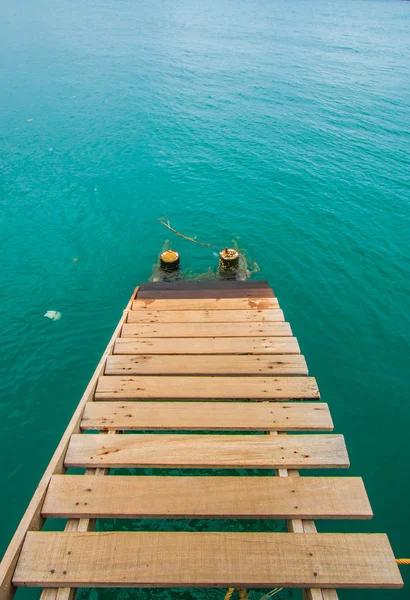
x=199 y=375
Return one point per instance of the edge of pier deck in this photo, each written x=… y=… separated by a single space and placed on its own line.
x=200 y=375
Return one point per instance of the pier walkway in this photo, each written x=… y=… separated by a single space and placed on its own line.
x=199 y=376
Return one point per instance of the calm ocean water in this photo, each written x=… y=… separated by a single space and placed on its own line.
x=282 y=125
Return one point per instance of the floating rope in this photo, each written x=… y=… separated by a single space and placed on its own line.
x=271 y=593
x=253 y=268
x=403 y=561
x=165 y=221
x=243 y=594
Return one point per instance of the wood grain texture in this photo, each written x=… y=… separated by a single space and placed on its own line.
x=206 y=304
x=205 y=316
x=195 y=364
x=219 y=559
x=236 y=416
x=213 y=387
x=207 y=451
x=257 y=345
x=206 y=330
x=128 y=497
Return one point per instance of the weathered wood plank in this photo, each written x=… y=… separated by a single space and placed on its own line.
x=206 y=330
x=218 y=559
x=127 y=497
x=209 y=364
x=236 y=416
x=206 y=304
x=215 y=293
x=192 y=387
x=205 y=316
x=207 y=451
x=218 y=285
x=257 y=345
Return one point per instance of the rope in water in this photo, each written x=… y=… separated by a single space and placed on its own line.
x=229 y=593
x=271 y=593
x=243 y=595
x=403 y=561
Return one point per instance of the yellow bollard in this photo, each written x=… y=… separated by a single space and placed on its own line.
x=169 y=260
x=228 y=259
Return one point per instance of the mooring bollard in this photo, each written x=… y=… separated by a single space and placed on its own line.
x=228 y=259
x=169 y=260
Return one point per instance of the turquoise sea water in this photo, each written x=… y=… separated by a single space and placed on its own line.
x=283 y=125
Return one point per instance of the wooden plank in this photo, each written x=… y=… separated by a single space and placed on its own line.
x=236 y=416
x=205 y=316
x=206 y=304
x=218 y=284
x=233 y=293
x=217 y=559
x=32 y=518
x=257 y=345
x=209 y=364
x=192 y=387
x=207 y=330
x=170 y=497
x=207 y=451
